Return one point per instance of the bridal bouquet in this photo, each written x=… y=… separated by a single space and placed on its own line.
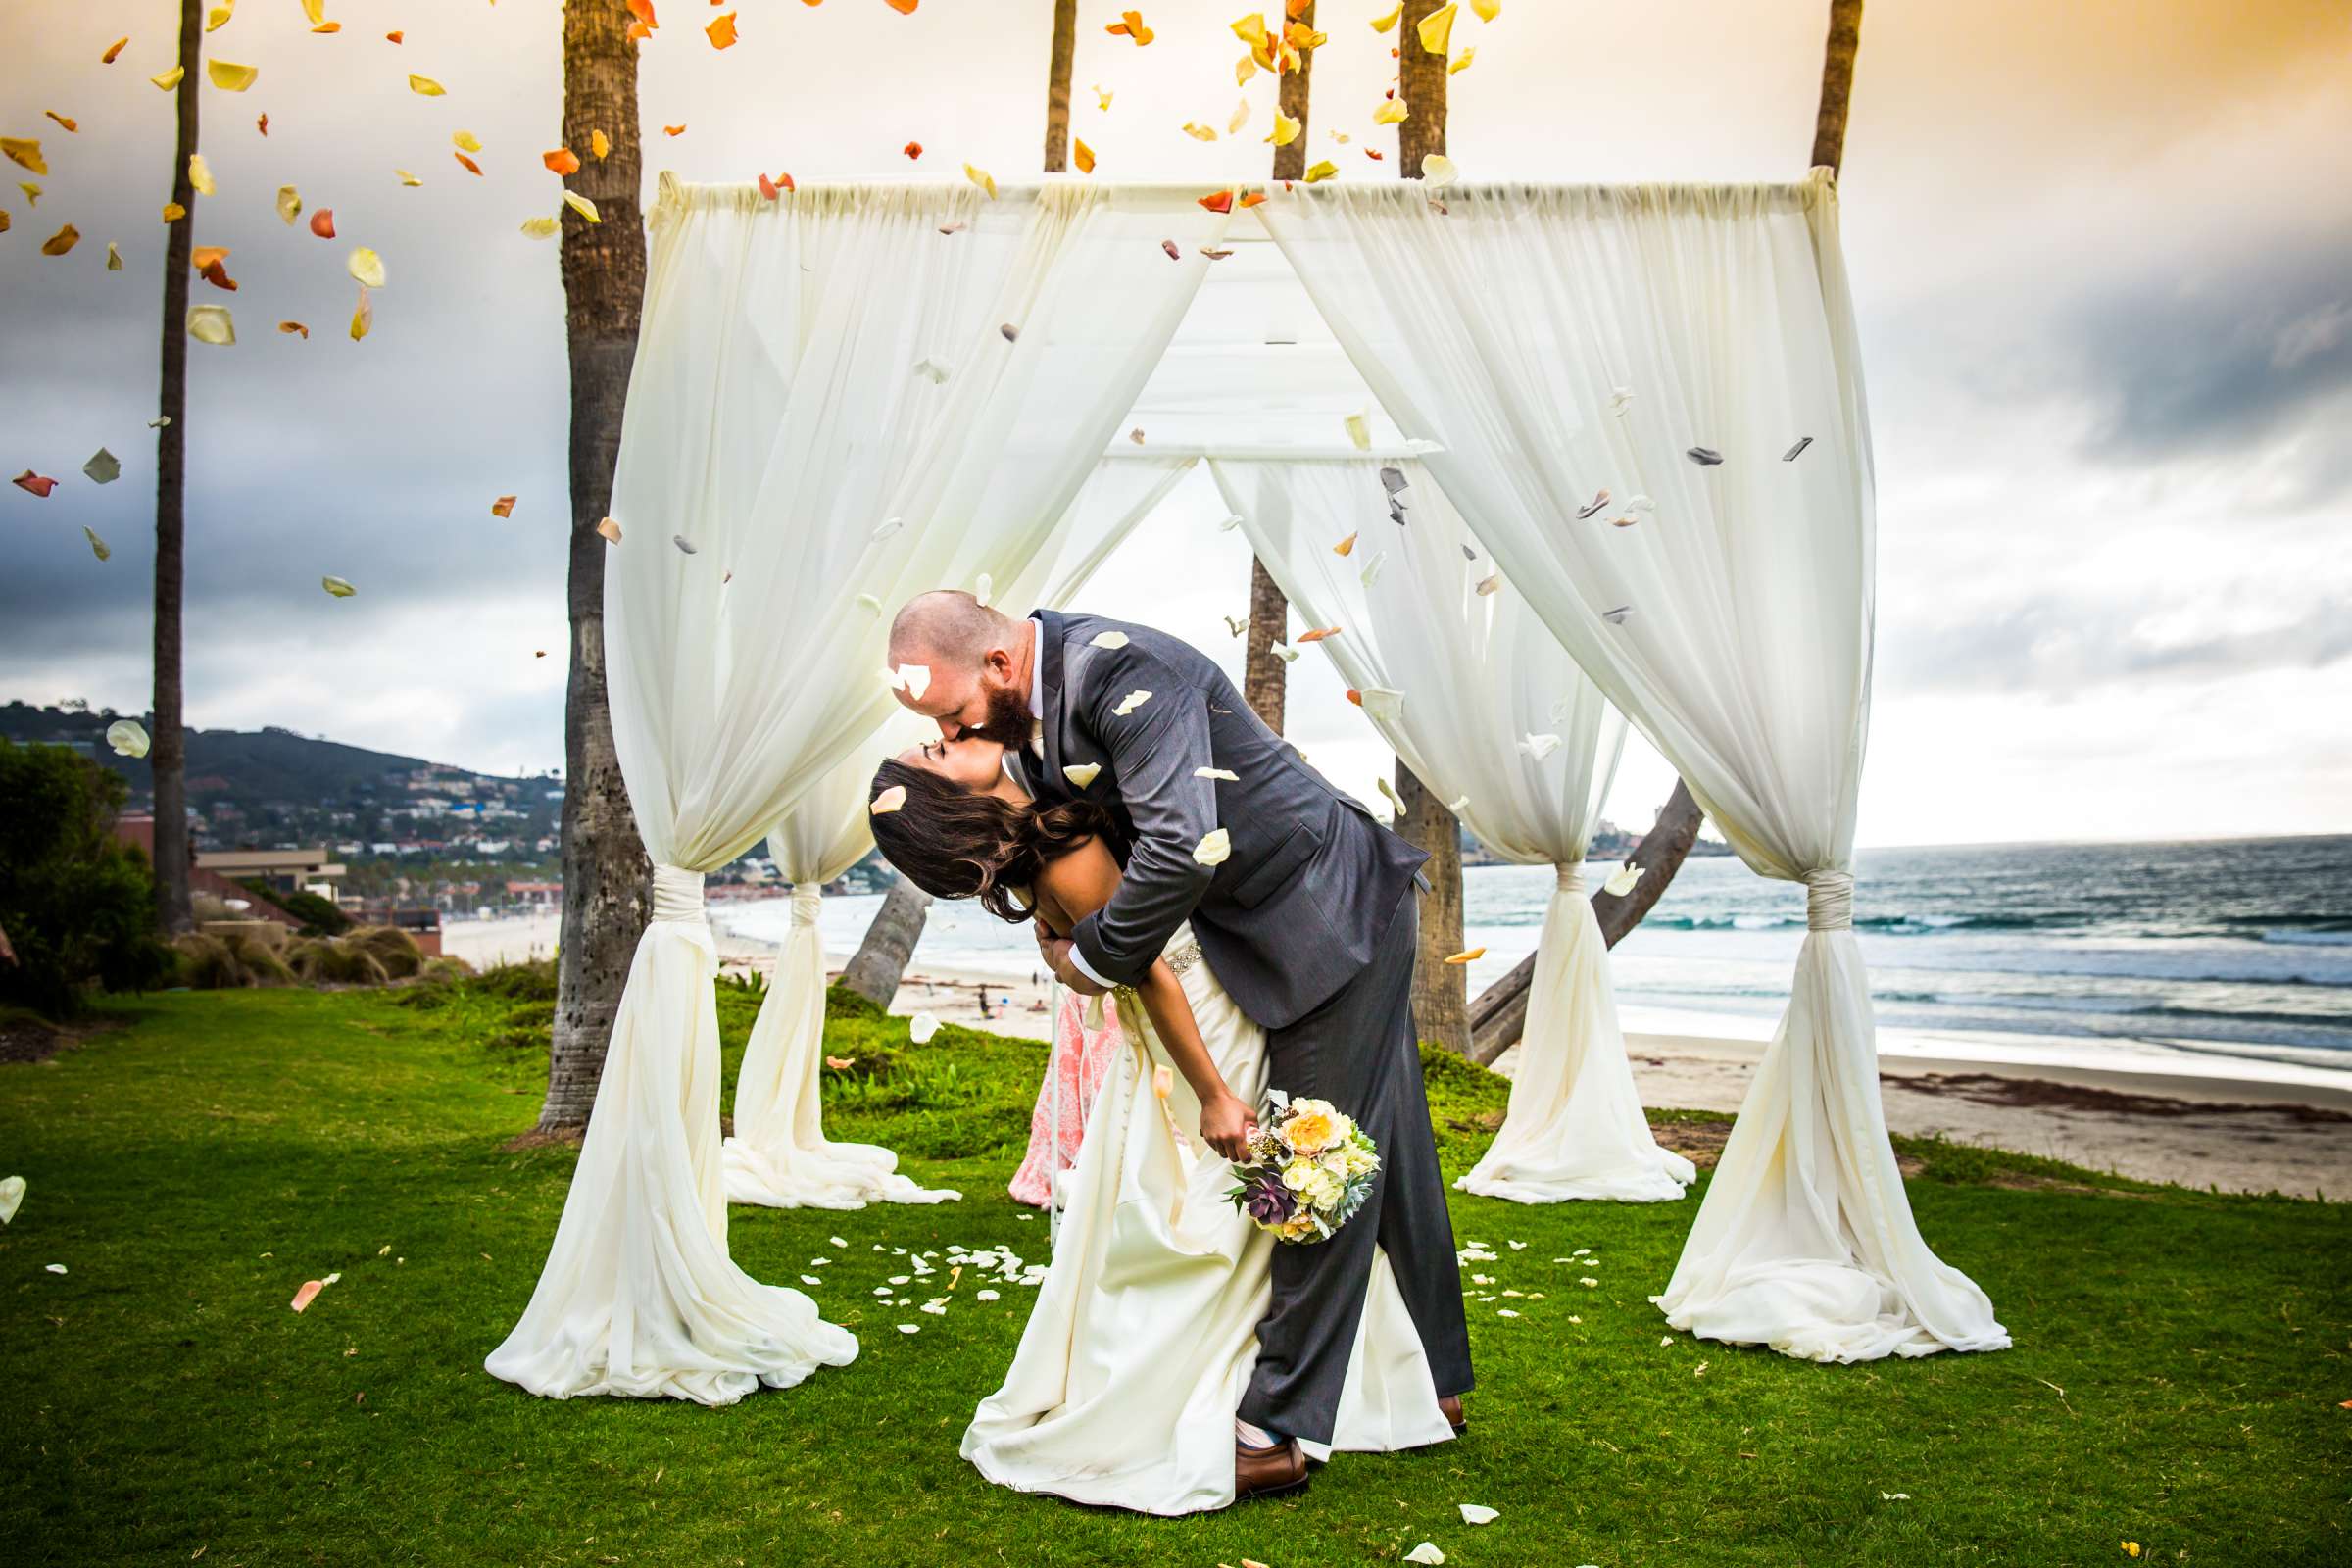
x=1309 y=1169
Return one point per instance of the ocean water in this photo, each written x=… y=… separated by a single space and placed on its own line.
x=2231 y=949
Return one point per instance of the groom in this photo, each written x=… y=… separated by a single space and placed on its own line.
x=1310 y=923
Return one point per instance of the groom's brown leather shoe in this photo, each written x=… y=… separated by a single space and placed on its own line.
x=1264 y=1472
x=1450 y=1407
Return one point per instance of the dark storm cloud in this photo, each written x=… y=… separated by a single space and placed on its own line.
x=2250 y=357
x=2066 y=645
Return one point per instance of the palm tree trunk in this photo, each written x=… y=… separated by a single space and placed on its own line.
x=1264 y=680
x=880 y=962
x=166 y=753
x=607 y=892
x=1836 y=83
x=1421 y=83
x=1058 y=86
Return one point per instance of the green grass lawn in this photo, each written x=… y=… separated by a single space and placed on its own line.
x=2176 y=1383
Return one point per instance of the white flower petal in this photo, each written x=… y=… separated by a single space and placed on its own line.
x=1427 y=1553
x=915 y=677
x=1538 y=747
x=1131 y=701
x=1082 y=773
x=1477 y=1513
x=921 y=1027
x=12 y=1194
x=1225 y=773
x=1109 y=639
x=1215 y=849
x=128 y=740
x=888 y=800
x=1622 y=883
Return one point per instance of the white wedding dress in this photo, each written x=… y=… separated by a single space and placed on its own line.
x=1144 y=1332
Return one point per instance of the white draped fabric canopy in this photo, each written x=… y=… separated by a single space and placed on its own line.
x=1476 y=695
x=1690 y=351
x=840 y=398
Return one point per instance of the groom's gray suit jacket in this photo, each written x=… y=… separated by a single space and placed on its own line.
x=1294 y=910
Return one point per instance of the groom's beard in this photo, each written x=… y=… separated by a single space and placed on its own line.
x=1009 y=720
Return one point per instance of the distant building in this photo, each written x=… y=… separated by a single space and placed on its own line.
x=538 y=895
x=290 y=870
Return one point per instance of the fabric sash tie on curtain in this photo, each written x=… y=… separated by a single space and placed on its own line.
x=1569 y=879
x=1829 y=901
x=805 y=901
x=677 y=894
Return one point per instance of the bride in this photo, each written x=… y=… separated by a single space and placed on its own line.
x=1124 y=1389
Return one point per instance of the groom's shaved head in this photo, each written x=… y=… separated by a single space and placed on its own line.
x=946 y=627
x=976 y=665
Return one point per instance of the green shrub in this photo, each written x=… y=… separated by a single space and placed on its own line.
x=393 y=948
x=78 y=908
x=445 y=970
x=320 y=917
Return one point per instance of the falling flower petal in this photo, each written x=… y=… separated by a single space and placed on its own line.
x=982 y=179
x=837 y=1063
x=112 y=50
x=563 y=161
x=231 y=78
x=1391 y=112
x=12 y=1187
x=1359 y=431
x=1131 y=701
x=322 y=221
x=1472 y=955
x=362 y=316
x=1704 y=457
x=1488 y=10
x=211 y=324
x=1617 y=616
x=889 y=800
x=921 y=1027
x=1109 y=639
x=426 y=87
x=982 y=591
x=1225 y=773
x=289 y=204
x=25 y=151
x=1286 y=130
x=1217 y=201
x=1084 y=157
x=1253 y=198
x=1200 y=133
x=113 y=257
x=104 y=468
x=368 y=267
x=97 y=545
x=917 y=677
x=1131 y=25
x=1318 y=634
x=54 y=1269
x=1461 y=61
x=1802 y=442
x=1315 y=174
x=469 y=166
x=1621 y=399
x=1594 y=505
x=610 y=529
x=1082 y=773
x=1343 y=546
x=905 y=8
x=542 y=228
x=1372 y=568
x=169 y=78
x=292 y=327
x=397 y=35
x=1215 y=849
x=200 y=175
x=1169 y=245
x=582 y=206
x=684 y=544
x=502 y=507
x=1538 y=747
x=599 y=145
x=41 y=484
x=1382 y=24
x=1438 y=170
x=337 y=586
x=722 y=31
x=1620 y=882
x=1456 y=805
x=674 y=130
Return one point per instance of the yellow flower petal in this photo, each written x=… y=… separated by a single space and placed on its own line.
x=1286 y=130
x=1622 y=882
x=1343 y=546
x=219 y=15
x=1321 y=171
x=169 y=78
x=200 y=175
x=1251 y=29
x=1488 y=10
x=316 y=12
x=1390 y=112
x=337 y=586
x=1437 y=29
x=599 y=144
x=1461 y=61
x=211 y=324
x=1239 y=119
x=366 y=266
x=27 y=151
x=426 y=87
x=982 y=179
x=230 y=78
x=1359 y=431
x=113 y=257
x=289 y=204
x=1469 y=957
x=1200 y=133
x=1242 y=70
x=1382 y=24
x=97 y=545
x=363 y=317
x=468 y=141
x=541 y=227
x=406 y=179
x=1438 y=169
x=174 y=212
x=1084 y=157
x=1082 y=773
x=582 y=206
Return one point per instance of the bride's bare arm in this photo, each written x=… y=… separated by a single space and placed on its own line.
x=1081 y=882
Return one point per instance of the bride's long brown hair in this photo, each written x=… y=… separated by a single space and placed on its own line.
x=955 y=843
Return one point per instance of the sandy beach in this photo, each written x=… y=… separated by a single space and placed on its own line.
x=2203 y=1121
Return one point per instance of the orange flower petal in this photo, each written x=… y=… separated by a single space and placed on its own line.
x=722 y=31
x=1318 y=635
x=306 y=1295
x=472 y=167
x=41 y=484
x=112 y=50
x=1253 y=198
x=291 y=327
x=1084 y=157
x=599 y=144
x=393 y=36
x=1222 y=202
x=563 y=161
x=674 y=130
x=502 y=507
x=323 y=222
x=64 y=240
x=70 y=125
x=913 y=149
x=905 y=8
x=217 y=276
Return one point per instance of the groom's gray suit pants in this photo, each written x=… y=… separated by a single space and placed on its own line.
x=1360 y=1052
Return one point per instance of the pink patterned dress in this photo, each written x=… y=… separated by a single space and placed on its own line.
x=1080 y=1059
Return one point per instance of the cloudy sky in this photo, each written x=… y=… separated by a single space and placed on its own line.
x=2102 y=254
